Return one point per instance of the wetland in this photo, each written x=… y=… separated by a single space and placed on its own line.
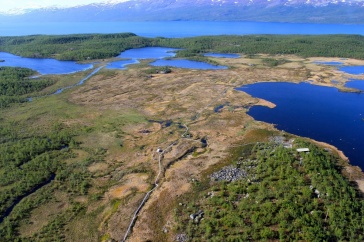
x=102 y=140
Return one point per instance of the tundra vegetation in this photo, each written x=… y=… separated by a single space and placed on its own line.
x=62 y=155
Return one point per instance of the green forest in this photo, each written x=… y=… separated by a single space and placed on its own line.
x=286 y=196
x=15 y=85
x=97 y=46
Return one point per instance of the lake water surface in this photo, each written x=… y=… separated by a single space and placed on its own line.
x=321 y=113
x=176 y=29
x=160 y=53
x=121 y=64
x=43 y=66
x=357 y=84
x=355 y=70
x=148 y=53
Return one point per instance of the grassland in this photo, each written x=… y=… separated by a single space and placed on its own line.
x=107 y=159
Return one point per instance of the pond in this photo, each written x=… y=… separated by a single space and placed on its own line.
x=43 y=66
x=321 y=113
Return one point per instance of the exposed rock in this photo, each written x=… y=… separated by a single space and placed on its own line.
x=229 y=173
x=197 y=217
x=181 y=238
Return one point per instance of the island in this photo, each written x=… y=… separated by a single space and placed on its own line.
x=145 y=155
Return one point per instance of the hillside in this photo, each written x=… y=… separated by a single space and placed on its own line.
x=317 y=11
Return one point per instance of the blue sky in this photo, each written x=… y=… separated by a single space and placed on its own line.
x=7 y=5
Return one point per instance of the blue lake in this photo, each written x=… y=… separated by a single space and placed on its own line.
x=221 y=55
x=187 y=64
x=332 y=63
x=358 y=84
x=321 y=113
x=148 y=53
x=355 y=70
x=175 y=29
x=159 y=53
x=43 y=66
x=121 y=64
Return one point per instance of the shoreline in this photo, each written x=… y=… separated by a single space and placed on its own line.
x=265 y=103
x=334 y=148
x=350 y=169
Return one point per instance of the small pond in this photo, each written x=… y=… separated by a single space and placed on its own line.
x=43 y=66
x=321 y=113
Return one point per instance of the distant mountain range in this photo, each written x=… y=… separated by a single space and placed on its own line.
x=305 y=11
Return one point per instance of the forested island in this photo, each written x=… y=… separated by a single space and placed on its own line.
x=76 y=166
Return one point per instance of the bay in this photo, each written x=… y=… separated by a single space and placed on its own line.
x=176 y=29
x=357 y=84
x=321 y=113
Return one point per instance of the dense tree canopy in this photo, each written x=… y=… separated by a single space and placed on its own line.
x=98 y=46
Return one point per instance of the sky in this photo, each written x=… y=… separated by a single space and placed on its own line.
x=7 y=5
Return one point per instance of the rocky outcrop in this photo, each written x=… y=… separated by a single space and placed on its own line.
x=229 y=174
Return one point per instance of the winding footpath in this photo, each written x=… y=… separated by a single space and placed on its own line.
x=156 y=184
x=160 y=158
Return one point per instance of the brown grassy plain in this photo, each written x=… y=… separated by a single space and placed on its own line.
x=186 y=97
